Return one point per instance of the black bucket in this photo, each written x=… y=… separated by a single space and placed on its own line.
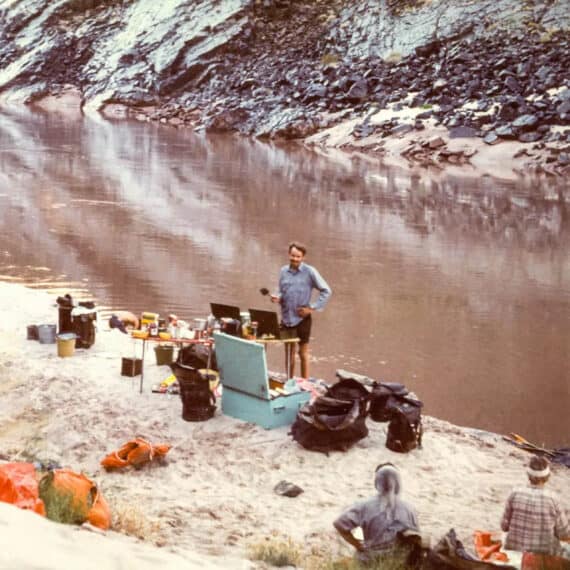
x=164 y=354
x=198 y=401
x=65 y=306
x=33 y=332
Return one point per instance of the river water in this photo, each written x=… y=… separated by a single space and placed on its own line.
x=458 y=287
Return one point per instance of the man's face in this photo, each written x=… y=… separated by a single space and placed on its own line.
x=295 y=258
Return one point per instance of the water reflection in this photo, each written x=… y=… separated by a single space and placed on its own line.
x=458 y=287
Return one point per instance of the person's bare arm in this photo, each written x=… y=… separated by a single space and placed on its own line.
x=350 y=538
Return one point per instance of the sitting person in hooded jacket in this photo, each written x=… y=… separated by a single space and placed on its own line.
x=384 y=519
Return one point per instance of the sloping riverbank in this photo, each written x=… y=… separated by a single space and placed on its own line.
x=214 y=497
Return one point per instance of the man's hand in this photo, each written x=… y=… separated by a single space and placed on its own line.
x=350 y=538
x=275 y=298
x=304 y=311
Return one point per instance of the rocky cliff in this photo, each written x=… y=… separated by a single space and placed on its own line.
x=492 y=69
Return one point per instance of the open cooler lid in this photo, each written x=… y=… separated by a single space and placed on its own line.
x=242 y=364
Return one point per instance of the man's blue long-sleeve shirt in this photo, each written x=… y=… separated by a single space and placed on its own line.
x=295 y=289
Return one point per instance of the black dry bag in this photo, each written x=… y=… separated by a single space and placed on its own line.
x=384 y=398
x=329 y=424
x=198 y=401
x=405 y=428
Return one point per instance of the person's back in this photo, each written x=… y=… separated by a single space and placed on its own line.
x=380 y=527
x=535 y=521
x=533 y=514
x=382 y=518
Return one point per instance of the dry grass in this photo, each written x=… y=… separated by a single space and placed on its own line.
x=330 y=59
x=327 y=562
x=281 y=552
x=130 y=520
x=61 y=506
x=393 y=57
x=275 y=552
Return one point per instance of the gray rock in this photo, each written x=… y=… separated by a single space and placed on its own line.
x=402 y=129
x=512 y=84
x=287 y=489
x=525 y=122
x=505 y=132
x=436 y=142
x=462 y=132
x=529 y=137
x=358 y=91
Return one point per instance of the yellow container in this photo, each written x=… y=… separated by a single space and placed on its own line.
x=139 y=334
x=66 y=344
x=148 y=318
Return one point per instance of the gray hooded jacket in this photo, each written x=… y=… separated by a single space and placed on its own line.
x=381 y=517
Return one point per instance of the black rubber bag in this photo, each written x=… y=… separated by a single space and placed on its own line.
x=83 y=326
x=197 y=356
x=198 y=401
x=349 y=389
x=450 y=554
x=329 y=424
x=405 y=429
x=384 y=398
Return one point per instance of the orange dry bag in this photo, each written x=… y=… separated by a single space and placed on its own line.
x=19 y=486
x=73 y=498
x=136 y=452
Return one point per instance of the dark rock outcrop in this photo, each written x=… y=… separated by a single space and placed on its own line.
x=273 y=68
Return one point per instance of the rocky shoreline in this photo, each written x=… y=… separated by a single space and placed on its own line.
x=428 y=73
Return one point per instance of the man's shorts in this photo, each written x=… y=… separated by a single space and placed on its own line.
x=303 y=330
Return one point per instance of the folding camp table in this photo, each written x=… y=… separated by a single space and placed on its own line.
x=179 y=342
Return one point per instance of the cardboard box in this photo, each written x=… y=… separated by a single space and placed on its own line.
x=246 y=393
x=131 y=367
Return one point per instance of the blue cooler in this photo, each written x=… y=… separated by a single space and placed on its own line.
x=245 y=395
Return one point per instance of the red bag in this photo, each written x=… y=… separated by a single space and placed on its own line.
x=19 y=486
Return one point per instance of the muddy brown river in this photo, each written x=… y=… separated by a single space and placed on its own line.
x=456 y=285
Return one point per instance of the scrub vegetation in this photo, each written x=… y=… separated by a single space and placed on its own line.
x=281 y=552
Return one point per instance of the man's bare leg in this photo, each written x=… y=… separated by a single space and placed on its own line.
x=304 y=356
x=290 y=359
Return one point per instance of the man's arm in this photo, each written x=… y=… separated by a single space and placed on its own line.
x=324 y=291
x=349 y=537
x=562 y=529
x=506 y=520
x=276 y=295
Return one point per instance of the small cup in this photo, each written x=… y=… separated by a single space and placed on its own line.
x=253 y=329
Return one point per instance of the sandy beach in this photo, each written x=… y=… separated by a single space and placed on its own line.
x=214 y=495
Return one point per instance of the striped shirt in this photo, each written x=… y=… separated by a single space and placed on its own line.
x=535 y=521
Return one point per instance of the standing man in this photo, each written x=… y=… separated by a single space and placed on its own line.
x=296 y=283
x=535 y=521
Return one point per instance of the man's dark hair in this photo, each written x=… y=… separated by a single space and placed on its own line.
x=298 y=245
